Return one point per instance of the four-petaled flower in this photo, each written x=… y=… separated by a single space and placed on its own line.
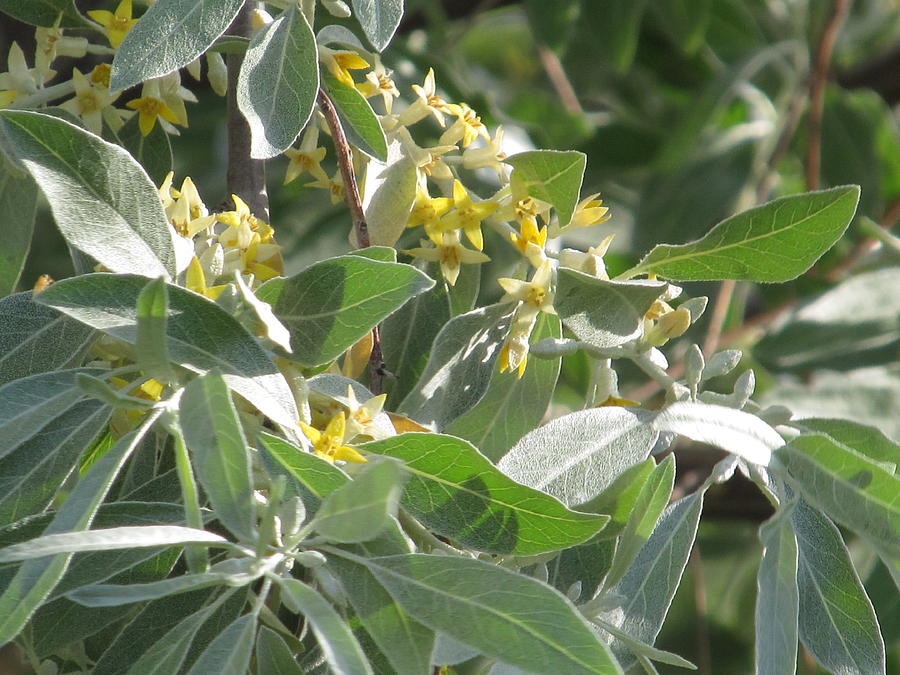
x=427 y=211
x=329 y=445
x=467 y=215
x=116 y=25
x=341 y=62
x=450 y=254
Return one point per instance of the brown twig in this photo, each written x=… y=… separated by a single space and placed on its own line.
x=558 y=78
x=817 y=84
x=717 y=319
x=245 y=177
x=360 y=227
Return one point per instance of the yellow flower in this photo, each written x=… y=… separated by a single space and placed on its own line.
x=426 y=103
x=491 y=156
x=466 y=128
x=242 y=216
x=378 y=81
x=531 y=241
x=195 y=280
x=19 y=79
x=334 y=185
x=535 y=293
x=450 y=253
x=340 y=63
x=467 y=215
x=186 y=212
x=116 y=26
x=361 y=420
x=302 y=162
x=589 y=211
x=662 y=323
x=89 y=101
x=427 y=211
x=151 y=106
x=330 y=444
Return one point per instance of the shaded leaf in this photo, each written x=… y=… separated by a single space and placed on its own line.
x=18 y=203
x=379 y=19
x=551 y=176
x=153 y=151
x=360 y=125
x=273 y=656
x=230 y=652
x=44 y=12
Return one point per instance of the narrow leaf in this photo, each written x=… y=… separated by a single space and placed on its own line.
x=152 y=317
x=603 y=313
x=456 y=491
x=330 y=305
x=551 y=176
x=18 y=203
x=214 y=435
x=500 y=609
x=866 y=440
x=230 y=652
x=576 y=456
x=278 y=82
x=772 y=243
x=102 y=200
x=361 y=126
x=169 y=35
x=837 y=622
x=341 y=650
x=273 y=656
x=44 y=12
x=361 y=509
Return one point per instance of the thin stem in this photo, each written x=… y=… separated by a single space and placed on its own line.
x=558 y=78
x=817 y=91
x=360 y=227
x=196 y=556
x=717 y=319
x=45 y=95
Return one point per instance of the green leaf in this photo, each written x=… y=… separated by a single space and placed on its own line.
x=35 y=579
x=553 y=23
x=107 y=540
x=407 y=336
x=775 y=242
x=273 y=656
x=330 y=305
x=18 y=203
x=577 y=456
x=644 y=651
x=44 y=12
x=379 y=19
x=551 y=176
x=648 y=507
x=603 y=313
x=362 y=508
x=230 y=652
x=201 y=335
x=650 y=583
x=278 y=82
x=361 y=126
x=152 y=317
x=734 y=431
x=777 y=599
x=457 y=492
x=837 y=623
x=153 y=151
x=102 y=201
x=36 y=339
x=213 y=433
x=310 y=477
x=341 y=650
x=36 y=464
x=460 y=366
x=685 y=21
x=855 y=491
x=406 y=643
x=388 y=210
x=851 y=325
x=865 y=440
x=619 y=498
x=499 y=606
x=512 y=406
x=624 y=20
x=169 y=35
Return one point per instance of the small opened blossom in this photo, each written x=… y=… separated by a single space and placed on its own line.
x=427 y=211
x=89 y=101
x=195 y=280
x=334 y=185
x=116 y=25
x=662 y=323
x=361 y=419
x=50 y=43
x=427 y=103
x=450 y=254
x=589 y=211
x=467 y=215
x=533 y=297
x=378 y=81
x=307 y=158
x=490 y=156
x=340 y=62
x=151 y=107
x=466 y=128
x=19 y=80
x=329 y=445
x=531 y=241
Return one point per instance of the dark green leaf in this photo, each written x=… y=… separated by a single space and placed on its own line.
x=361 y=126
x=36 y=339
x=685 y=21
x=552 y=23
x=624 y=20
x=460 y=366
x=153 y=151
x=849 y=487
x=35 y=579
x=456 y=491
x=499 y=607
x=576 y=456
x=603 y=313
x=777 y=599
x=278 y=83
x=230 y=652
x=102 y=200
x=18 y=203
x=774 y=242
x=310 y=477
x=379 y=19
x=273 y=656
x=837 y=623
x=362 y=508
x=512 y=406
x=44 y=12
x=618 y=499
x=330 y=305
x=551 y=176
x=152 y=317
x=201 y=335
x=169 y=35
x=341 y=649
x=214 y=435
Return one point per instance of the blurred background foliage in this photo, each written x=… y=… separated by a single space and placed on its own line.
x=689 y=111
